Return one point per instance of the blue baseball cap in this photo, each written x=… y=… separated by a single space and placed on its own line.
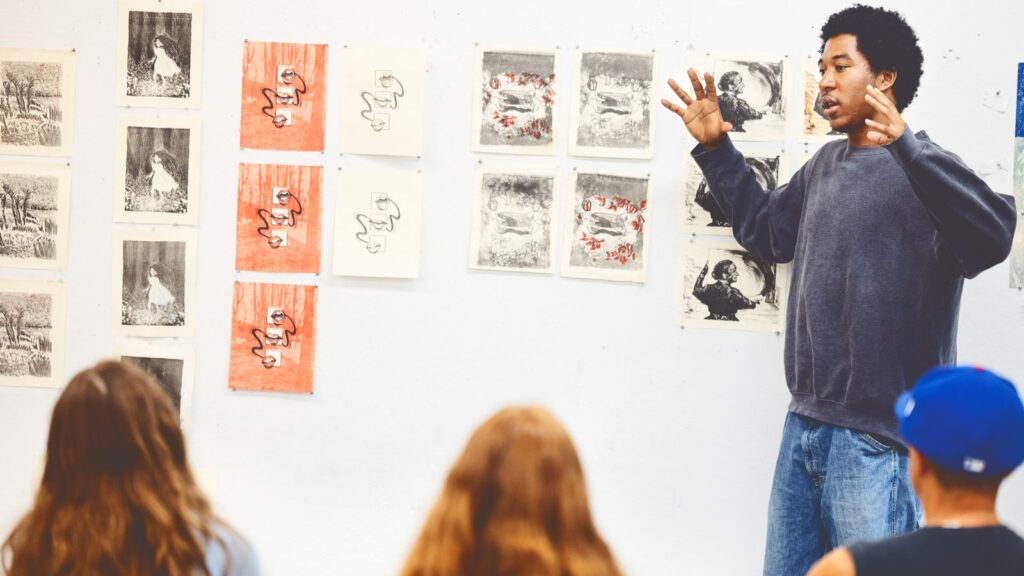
x=966 y=419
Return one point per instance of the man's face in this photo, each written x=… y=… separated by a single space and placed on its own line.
x=845 y=77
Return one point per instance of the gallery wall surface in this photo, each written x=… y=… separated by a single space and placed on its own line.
x=677 y=428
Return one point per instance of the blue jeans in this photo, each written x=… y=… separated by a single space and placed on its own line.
x=833 y=486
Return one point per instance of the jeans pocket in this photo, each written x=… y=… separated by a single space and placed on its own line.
x=877 y=442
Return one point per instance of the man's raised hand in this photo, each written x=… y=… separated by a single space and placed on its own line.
x=702 y=117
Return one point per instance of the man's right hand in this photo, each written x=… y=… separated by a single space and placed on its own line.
x=701 y=116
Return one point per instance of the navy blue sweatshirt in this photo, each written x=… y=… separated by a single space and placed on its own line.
x=881 y=239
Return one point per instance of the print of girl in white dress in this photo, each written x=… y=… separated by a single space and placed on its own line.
x=158 y=295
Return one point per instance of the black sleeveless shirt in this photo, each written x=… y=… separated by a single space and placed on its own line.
x=985 y=551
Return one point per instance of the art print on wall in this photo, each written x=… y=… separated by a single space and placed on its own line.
x=273 y=337
x=157 y=172
x=32 y=314
x=284 y=89
x=514 y=212
x=154 y=282
x=377 y=223
x=753 y=93
x=279 y=218
x=173 y=369
x=700 y=213
x=814 y=125
x=159 y=54
x=34 y=208
x=611 y=105
x=607 y=231
x=1017 y=252
x=382 y=101
x=37 y=102
x=725 y=287
x=515 y=95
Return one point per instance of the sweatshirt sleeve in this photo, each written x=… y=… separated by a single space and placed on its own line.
x=764 y=222
x=975 y=225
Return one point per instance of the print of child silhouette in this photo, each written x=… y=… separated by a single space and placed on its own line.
x=722 y=300
x=158 y=295
x=165 y=59
x=162 y=179
x=735 y=110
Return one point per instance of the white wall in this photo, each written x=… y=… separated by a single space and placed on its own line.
x=678 y=429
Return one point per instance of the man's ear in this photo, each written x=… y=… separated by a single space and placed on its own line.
x=885 y=80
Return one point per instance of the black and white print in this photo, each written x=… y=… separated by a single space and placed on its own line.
x=814 y=125
x=611 y=105
x=34 y=200
x=155 y=279
x=37 y=102
x=1017 y=252
x=753 y=93
x=159 y=57
x=158 y=170
x=513 y=216
x=515 y=108
x=607 y=227
x=171 y=367
x=700 y=212
x=377 y=223
x=725 y=287
x=382 y=101
x=32 y=339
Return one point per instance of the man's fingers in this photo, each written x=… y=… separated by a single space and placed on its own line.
x=726 y=127
x=680 y=92
x=709 y=81
x=677 y=109
x=698 y=90
x=886 y=129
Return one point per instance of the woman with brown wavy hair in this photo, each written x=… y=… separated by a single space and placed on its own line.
x=514 y=504
x=117 y=495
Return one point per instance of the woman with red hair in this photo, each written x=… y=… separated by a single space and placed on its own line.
x=514 y=504
x=117 y=496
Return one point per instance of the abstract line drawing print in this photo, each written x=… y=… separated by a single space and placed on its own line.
x=34 y=215
x=377 y=223
x=154 y=282
x=700 y=212
x=753 y=94
x=37 y=102
x=172 y=367
x=32 y=341
x=515 y=109
x=273 y=337
x=382 y=101
x=606 y=237
x=279 y=218
x=283 y=96
x=514 y=211
x=157 y=173
x=159 y=54
x=723 y=286
x=611 y=107
x=1017 y=252
x=814 y=125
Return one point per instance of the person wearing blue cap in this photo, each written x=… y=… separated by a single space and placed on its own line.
x=965 y=432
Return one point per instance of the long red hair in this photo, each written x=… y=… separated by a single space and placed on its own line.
x=514 y=504
x=117 y=495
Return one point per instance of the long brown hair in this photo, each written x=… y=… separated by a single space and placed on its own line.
x=117 y=495
x=514 y=504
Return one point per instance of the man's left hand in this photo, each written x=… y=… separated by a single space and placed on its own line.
x=890 y=126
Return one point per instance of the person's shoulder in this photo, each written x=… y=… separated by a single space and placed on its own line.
x=838 y=562
x=230 y=554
